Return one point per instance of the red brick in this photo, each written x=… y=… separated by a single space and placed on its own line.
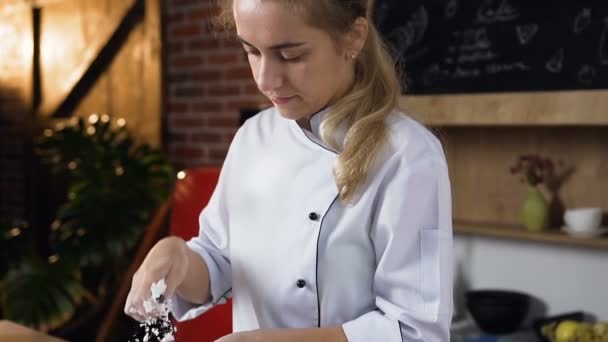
x=178 y=77
x=203 y=13
x=218 y=153
x=206 y=137
x=187 y=62
x=228 y=137
x=223 y=58
x=178 y=107
x=186 y=123
x=238 y=73
x=176 y=47
x=237 y=105
x=178 y=137
x=223 y=90
x=185 y=31
x=188 y=91
x=181 y=3
x=251 y=89
x=207 y=106
x=206 y=75
x=188 y=152
x=175 y=17
x=203 y=44
x=232 y=44
x=223 y=121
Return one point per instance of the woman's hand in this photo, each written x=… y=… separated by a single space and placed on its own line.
x=168 y=260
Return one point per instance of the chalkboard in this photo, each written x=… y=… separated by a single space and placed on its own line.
x=479 y=46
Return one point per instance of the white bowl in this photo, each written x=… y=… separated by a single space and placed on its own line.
x=583 y=219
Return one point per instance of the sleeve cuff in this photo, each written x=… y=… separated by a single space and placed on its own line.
x=183 y=310
x=373 y=326
x=219 y=286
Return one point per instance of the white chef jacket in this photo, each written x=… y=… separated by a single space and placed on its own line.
x=276 y=237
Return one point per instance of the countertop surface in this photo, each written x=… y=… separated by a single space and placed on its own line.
x=12 y=332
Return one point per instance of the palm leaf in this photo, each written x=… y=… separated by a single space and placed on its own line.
x=41 y=295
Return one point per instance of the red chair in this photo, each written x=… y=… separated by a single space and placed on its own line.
x=191 y=195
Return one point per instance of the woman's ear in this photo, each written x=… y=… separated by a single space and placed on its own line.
x=357 y=37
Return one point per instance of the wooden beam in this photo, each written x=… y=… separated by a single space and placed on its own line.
x=95 y=60
x=152 y=60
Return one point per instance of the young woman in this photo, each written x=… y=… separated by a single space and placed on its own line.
x=331 y=220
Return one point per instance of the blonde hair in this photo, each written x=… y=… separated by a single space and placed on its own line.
x=371 y=99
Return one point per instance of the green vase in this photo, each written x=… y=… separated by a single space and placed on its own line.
x=535 y=211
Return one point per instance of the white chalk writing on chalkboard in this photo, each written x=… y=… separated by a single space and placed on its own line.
x=477 y=56
x=474 y=39
x=603 y=50
x=525 y=33
x=492 y=11
x=582 y=20
x=556 y=63
x=495 y=68
x=461 y=72
x=451 y=8
x=586 y=74
x=454 y=46
x=413 y=31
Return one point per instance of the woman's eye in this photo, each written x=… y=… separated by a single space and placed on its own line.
x=252 y=52
x=290 y=58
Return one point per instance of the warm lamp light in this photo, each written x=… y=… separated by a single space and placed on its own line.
x=16 y=46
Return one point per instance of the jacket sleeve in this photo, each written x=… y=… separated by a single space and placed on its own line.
x=412 y=235
x=212 y=244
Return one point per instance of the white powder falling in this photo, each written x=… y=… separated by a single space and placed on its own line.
x=157 y=326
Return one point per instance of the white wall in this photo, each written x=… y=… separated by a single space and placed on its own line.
x=564 y=278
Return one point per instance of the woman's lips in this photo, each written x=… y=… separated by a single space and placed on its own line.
x=281 y=100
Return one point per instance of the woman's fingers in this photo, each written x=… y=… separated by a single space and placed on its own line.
x=162 y=262
x=134 y=303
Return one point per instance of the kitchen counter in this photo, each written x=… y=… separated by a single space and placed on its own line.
x=12 y=332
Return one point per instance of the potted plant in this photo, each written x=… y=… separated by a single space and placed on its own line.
x=113 y=186
x=534 y=170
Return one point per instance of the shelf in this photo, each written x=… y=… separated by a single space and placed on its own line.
x=552 y=236
x=554 y=108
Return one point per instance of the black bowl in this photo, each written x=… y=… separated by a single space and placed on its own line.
x=497 y=312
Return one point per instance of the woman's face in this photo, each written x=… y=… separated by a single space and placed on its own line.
x=301 y=69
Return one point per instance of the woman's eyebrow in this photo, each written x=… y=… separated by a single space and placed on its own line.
x=276 y=46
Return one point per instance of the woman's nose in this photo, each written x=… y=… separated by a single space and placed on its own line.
x=270 y=76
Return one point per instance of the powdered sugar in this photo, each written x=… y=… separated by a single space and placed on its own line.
x=157 y=326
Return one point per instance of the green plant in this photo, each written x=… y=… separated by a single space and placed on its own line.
x=113 y=186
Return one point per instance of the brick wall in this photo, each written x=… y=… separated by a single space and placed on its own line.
x=207 y=82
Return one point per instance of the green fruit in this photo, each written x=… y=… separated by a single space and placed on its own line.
x=566 y=331
x=584 y=333
x=600 y=329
